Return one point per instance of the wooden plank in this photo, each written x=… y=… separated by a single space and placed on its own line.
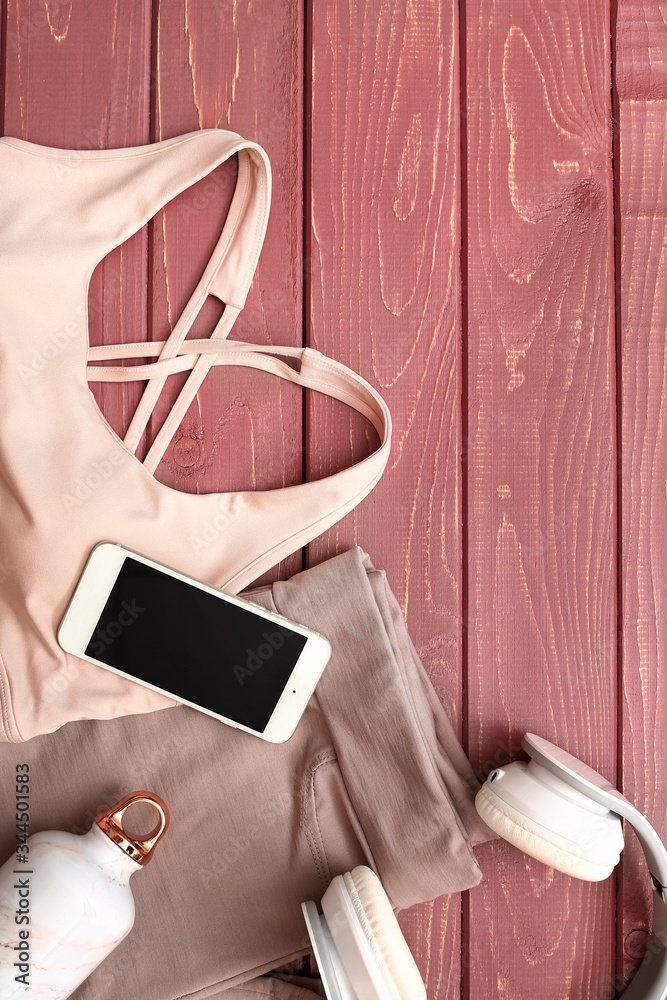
x=541 y=460
x=232 y=66
x=78 y=77
x=383 y=296
x=641 y=80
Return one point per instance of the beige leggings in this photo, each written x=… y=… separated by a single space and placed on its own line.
x=373 y=775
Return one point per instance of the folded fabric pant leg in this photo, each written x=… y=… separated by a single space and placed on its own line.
x=411 y=785
x=273 y=988
x=373 y=775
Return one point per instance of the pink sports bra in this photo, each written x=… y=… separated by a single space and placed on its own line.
x=61 y=212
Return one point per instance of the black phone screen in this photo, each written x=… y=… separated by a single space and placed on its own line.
x=194 y=645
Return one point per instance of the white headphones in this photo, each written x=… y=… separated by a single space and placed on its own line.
x=554 y=808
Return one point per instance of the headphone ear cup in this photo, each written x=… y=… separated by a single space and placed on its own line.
x=542 y=816
x=381 y=929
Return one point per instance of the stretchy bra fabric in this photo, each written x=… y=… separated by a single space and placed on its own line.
x=61 y=213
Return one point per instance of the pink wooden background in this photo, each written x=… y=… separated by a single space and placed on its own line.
x=470 y=209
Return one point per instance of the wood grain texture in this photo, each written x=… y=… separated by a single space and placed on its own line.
x=383 y=292
x=541 y=470
x=641 y=80
x=381 y=267
x=78 y=77
x=235 y=65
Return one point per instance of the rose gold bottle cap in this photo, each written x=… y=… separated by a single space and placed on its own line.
x=140 y=849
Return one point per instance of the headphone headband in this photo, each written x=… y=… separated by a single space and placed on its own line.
x=650 y=980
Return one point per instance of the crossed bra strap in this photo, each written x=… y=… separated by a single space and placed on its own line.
x=228 y=276
x=315 y=372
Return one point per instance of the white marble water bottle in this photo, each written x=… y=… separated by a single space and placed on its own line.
x=71 y=904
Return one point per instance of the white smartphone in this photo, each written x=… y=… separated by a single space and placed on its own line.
x=252 y=669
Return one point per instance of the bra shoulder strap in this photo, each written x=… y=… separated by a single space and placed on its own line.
x=228 y=274
x=88 y=201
